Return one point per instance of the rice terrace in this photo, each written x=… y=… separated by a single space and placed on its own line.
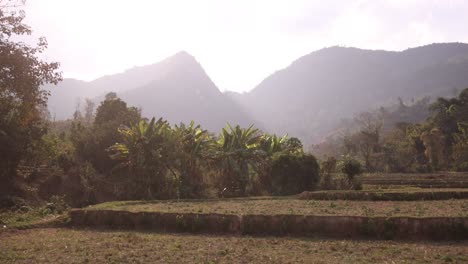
x=112 y=150
x=421 y=229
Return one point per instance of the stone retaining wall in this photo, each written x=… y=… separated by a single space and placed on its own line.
x=406 y=228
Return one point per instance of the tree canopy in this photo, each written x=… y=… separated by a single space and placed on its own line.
x=22 y=101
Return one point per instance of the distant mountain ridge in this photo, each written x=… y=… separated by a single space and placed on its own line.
x=306 y=99
x=64 y=96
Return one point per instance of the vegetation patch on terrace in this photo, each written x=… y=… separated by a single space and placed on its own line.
x=429 y=180
x=401 y=194
x=446 y=208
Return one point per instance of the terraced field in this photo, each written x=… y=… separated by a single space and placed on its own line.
x=292 y=206
x=294 y=229
x=427 y=220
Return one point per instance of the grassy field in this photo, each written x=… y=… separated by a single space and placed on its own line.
x=454 y=208
x=33 y=218
x=61 y=245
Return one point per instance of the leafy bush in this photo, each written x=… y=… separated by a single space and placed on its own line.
x=292 y=174
x=327 y=168
x=56 y=205
x=462 y=167
x=352 y=167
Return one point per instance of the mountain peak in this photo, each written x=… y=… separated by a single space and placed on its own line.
x=182 y=56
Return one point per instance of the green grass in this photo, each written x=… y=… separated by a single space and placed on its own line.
x=22 y=220
x=447 y=208
x=30 y=218
x=89 y=246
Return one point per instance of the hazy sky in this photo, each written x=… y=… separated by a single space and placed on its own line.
x=238 y=42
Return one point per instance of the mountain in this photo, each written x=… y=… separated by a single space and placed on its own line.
x=307 y=99
x=186 y=94
x=177 y=89
x=310 y=97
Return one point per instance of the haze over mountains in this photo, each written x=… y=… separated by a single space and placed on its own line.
x=306 y=99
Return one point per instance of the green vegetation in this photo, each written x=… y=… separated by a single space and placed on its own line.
x=265 y=206
x=24 y=216
x=352 y=168
x=116 y=154
x=22 y=102
x=438 y=143
x=292 y=174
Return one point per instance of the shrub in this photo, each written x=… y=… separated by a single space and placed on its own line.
x=352 y=167
x=462 y=167
x=327 y=168
x=292 y=174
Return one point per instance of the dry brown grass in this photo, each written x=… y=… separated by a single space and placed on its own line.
x=89 y=246
x=447 y=208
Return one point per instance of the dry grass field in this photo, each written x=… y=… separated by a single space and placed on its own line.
x=25 y=240
x=63 y=245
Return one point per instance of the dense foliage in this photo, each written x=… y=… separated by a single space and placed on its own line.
x=165 y=161
x=437 y=143
x=292 y=174
x=22 y=102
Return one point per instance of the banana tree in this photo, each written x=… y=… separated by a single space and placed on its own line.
x=273 y=146
x=147 y=152
x=237 y=153
x=270 y=145
x=193 y=144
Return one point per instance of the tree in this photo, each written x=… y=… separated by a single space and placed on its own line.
x=272 y=146
x=89 y=110
x=460 y=148
x=351 y=167
x=193 y=144
x=327 y=168
x=237 y=154
x=292 y=174
x=22 y=101
x=91 y=142
x=446 y=131
x=434 y=143
x=147 y=150
x=371 y=126
x=402 y=148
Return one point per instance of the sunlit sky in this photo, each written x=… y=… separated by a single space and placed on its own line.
x=238 y=42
